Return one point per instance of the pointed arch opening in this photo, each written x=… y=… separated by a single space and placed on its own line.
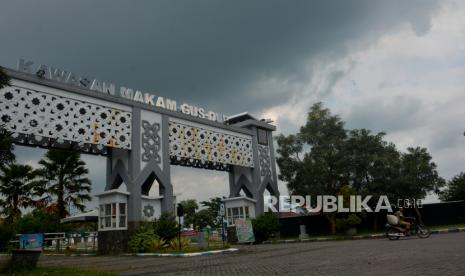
x=152 y=186
x=244 y=191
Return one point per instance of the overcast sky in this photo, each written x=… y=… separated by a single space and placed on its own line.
x=393 y=66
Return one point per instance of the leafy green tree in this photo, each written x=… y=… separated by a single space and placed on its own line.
x=6 y=147
x=363 y=151
x=6 y=144
x=314 y=162
x=455 y=189
x=213 y=207
x=4 y=78
x=63 y=176
x=18 y=188
x=419 y=176
x=386 y=172
x=323 y=157
x=290 y=150
x=190 y=206
x=39 y=221
x=202 y=219
x=373 y=165
x=213 y=204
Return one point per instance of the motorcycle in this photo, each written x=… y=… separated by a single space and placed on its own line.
x=394 y=231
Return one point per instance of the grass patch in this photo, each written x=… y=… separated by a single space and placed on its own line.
x=437 y=227
x=54 y=271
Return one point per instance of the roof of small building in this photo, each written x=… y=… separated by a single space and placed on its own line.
x=87 y=216
x=239 y=118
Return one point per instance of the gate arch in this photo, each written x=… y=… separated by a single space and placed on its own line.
x=140 y=141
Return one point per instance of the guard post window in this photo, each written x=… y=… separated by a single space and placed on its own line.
x=112 y=216
x=122 y=215
x=237 y=213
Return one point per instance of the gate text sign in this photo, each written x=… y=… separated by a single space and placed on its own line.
x=59 y=75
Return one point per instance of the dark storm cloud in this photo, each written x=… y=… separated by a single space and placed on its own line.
x=204 y=52
x=218 y=54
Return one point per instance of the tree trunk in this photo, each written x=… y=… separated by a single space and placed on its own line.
x=61 y=209
x=61 y=202
x=332 y=222
x=15 y=210
x=375 y=221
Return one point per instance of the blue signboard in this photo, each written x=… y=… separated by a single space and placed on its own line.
x=32 y=242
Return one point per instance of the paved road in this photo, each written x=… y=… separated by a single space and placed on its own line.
x=439 y=255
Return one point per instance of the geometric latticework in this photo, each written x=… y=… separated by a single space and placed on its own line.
x=213 y=149
x=264 y=159
x=151 y=142
x=45 y=117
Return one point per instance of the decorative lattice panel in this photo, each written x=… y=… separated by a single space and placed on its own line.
x=150 y=141
x=199 y=147
x=264 y=157
x=50 y=117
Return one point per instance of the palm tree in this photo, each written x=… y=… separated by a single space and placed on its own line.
x=17 y=187
x=63 y=178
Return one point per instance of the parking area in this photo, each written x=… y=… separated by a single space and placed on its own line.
x=438 y=255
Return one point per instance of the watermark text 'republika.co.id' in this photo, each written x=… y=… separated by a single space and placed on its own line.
x=330 y=203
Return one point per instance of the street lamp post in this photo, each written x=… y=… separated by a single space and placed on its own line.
x=180 y=213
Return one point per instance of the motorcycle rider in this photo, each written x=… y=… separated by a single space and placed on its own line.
x=402 y=220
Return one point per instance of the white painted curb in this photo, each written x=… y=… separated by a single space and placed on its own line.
x=206 y=253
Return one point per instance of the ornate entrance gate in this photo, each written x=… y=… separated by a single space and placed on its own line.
x=140 y=141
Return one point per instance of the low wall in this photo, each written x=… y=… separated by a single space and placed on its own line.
x=113 y=242
x=443 y=213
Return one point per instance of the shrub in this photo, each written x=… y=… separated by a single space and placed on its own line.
x=347 y=222
x=146 y=241
x=265 y=226
x=6 y=235
x=176 y=244
x=166 y=227
x=154 y=235
x=38 y=222
x=157 y=244
x=142 y=241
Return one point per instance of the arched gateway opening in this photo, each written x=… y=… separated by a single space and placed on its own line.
x=141 y=136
